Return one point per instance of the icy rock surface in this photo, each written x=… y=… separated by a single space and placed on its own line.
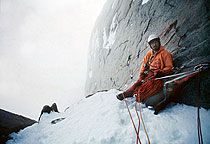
x=121 y=32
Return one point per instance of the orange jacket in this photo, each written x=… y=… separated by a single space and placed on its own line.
x=163 y=61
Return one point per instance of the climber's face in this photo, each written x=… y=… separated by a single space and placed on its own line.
x=155 y=44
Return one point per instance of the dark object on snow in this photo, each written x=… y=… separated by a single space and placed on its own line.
x=158 y=102
x=120 y=96
x=172 y=89
x=57 y=120
x=48 y=109
x=95 y=93
x=10 y=122
x=126 y=94
x=54 y=107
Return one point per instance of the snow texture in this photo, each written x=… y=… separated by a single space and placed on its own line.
x=109 y=41
x=95 y=45
x=144 y=1
x=102 y=119
x=114 y=3
x=90 y=74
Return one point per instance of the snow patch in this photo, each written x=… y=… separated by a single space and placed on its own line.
x=102 y=119
x=94 y=46
x=90 y=74
x=114 y=3
x=109 y=40
x=144 y=1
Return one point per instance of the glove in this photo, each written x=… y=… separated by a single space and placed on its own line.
x=156 y=73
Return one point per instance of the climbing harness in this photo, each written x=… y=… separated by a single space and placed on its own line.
x=147 y=65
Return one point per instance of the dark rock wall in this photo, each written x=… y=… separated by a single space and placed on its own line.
x=10 y=122
x=121 y=32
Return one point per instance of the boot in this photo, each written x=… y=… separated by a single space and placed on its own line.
x=126 y=94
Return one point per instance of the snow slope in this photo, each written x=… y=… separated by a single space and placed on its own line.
x=102 y=119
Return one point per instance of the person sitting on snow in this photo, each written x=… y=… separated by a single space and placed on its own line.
x=158 y=62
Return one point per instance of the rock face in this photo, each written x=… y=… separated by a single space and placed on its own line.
x=118 y=42
x=10 y=122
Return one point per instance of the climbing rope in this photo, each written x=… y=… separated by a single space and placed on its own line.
x=200 y=138
x=131 y=119
x=139 y=121
x=187 y=74
x=144 y=125
x=137 y=132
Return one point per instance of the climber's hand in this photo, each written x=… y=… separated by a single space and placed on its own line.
x=156 y=73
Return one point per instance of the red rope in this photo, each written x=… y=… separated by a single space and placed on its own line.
x=131 y=118
x=139 y=121
x=137 y=132
x=144 y=125
x=185 y=79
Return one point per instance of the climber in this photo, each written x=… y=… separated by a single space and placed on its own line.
x=158 y=62
x=48 y=109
